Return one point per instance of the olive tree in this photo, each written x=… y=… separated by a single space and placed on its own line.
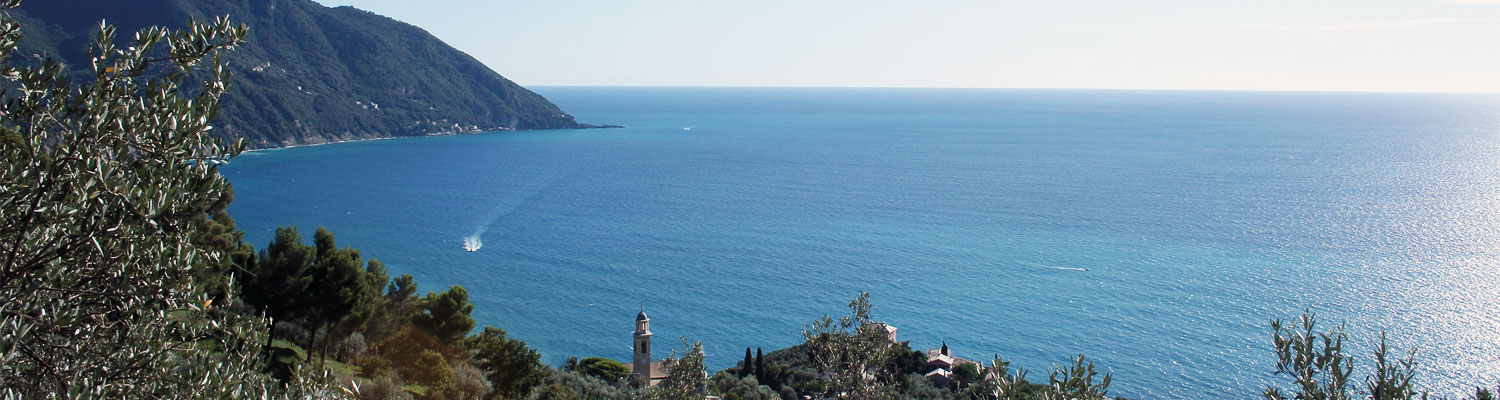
x=101 y=184
x=685 y=376
x=1320 y=369
x=1076 y=382
x=849 y=353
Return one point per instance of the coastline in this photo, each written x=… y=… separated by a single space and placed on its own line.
x=290 y=146
x=451 y=133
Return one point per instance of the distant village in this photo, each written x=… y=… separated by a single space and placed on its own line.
x=644 y=372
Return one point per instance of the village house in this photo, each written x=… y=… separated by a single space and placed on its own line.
x=942 y=363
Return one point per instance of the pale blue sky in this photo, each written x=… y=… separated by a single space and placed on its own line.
x=1359 y=45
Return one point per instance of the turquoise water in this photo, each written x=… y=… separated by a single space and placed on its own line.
x=738 y=215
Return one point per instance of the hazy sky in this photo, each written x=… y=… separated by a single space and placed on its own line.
x=1364 y=45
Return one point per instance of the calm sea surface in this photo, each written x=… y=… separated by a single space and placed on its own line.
x=1156 y=232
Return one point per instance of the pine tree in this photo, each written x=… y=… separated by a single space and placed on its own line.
x=512 y=367
x=402 y=288
x=216 y=232
x=280 y=283
x=447 y=315
x=338 y=291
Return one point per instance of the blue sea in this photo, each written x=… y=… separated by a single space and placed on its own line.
x=1156 y=232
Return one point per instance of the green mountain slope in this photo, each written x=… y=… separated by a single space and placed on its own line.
x=313 y=74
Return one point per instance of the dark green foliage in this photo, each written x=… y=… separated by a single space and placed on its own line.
x=602 y=368
x=906 y=367
x=106 y=182
x=789 y=369
x=1320 y=370
x=429 y=368
x=509 y=365
x=923 y=390
x=339 y=296
x=732 y=387
x=779 y=376
x=446 y=317
x=389 y=315
x=1010 y=385
x=965 y=375
x=748 y=366
x=416 y=356
x=386 y=314
x=393 y=311
x=282 y=363
x=904 y=360
x=760 y=365
x=1077 y=381
x=685 y=379
x=326 y=288
x=402 y=288
x=324 y=243
x=312 y=74
x=216 y=233
x=557 y=392
x=386 y=386
x=583 y=386
x=1314 y=360
x=279 y=286
x=1392 y=379
x=376 y=277
x=899 y=370
x=1481 y=393
x=849 y=354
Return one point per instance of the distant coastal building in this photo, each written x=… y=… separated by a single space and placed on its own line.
x=887 y=329
x=942 y=363
x=643 y=371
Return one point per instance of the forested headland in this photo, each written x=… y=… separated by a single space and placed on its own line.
x=122 y=276
x=307 y=73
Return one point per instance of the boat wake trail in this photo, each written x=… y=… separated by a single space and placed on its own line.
x=505 y=207
x=1039 y=265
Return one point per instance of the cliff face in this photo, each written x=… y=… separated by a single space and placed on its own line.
x=313 y=74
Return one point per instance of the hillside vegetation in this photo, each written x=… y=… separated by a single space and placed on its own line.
x=308 y=73
x=122 y=276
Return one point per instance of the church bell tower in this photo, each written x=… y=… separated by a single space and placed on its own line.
x=641 y=368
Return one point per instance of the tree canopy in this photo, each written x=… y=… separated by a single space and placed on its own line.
x=105 y=180
x=447 y=314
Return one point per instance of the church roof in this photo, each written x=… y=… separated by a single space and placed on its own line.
x=656 y=373
x=658 y=369
x=641 y=316
x=937 y=357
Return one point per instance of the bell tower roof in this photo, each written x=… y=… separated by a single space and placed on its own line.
x=642 y=316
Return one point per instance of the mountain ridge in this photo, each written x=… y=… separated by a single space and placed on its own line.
x=311 y=74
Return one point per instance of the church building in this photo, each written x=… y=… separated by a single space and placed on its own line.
x=643 y=371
